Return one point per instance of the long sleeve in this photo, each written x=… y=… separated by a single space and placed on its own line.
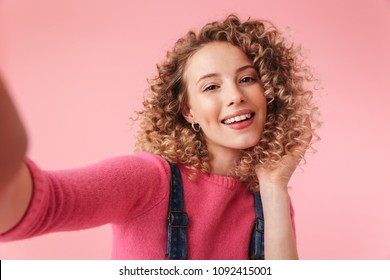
x=132 y=193
x=107 y=192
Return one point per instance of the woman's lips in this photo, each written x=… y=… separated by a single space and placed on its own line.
x=240 y=121
x=238 y=116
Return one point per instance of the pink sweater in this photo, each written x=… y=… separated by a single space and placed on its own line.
x=132 y=193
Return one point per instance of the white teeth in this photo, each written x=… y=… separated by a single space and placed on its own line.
x=237 y=119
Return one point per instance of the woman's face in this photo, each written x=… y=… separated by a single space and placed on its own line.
x=225 y=97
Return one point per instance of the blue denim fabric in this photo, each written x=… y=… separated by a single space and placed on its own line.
x=177 y=218
x=178 y=221
x=256 y=250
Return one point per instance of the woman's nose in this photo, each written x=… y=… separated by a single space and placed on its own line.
x=236 y=96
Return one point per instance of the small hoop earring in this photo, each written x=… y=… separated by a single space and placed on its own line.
x=194 y=128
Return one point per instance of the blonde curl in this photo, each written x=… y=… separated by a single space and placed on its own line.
x=286 y=81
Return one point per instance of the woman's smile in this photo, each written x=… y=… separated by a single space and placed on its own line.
x=225 y=97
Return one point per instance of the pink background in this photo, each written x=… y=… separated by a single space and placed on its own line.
x=78 y=70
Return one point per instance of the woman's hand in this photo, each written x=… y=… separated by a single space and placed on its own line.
x=13 y=140
x=279 y=237
x=15 y=179
x=280 y=175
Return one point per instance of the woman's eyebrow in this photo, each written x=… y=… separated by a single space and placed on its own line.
x=210 y=75
x=207 y=76
x=245 y=67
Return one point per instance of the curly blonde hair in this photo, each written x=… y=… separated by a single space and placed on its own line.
x=286 y=80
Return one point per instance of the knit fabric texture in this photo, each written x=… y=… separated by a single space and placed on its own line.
x=132 y=193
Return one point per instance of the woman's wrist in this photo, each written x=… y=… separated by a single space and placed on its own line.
x=269 y=188
x=279 y=233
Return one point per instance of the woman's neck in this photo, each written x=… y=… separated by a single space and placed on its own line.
x=222 y=163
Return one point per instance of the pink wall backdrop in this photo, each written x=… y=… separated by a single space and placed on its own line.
x=78 y=70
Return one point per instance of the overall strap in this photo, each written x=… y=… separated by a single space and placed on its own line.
x=256 y=251
x=177 y=218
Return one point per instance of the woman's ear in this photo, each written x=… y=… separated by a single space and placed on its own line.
x=187 y=114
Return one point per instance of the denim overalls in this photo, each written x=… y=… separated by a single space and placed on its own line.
x=178 y=221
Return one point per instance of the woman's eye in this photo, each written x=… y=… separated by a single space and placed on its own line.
x=247 y=80
x=210 y=87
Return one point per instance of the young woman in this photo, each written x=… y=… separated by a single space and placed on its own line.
x=230 y=109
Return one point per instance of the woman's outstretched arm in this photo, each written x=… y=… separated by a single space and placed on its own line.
x=15 y=179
